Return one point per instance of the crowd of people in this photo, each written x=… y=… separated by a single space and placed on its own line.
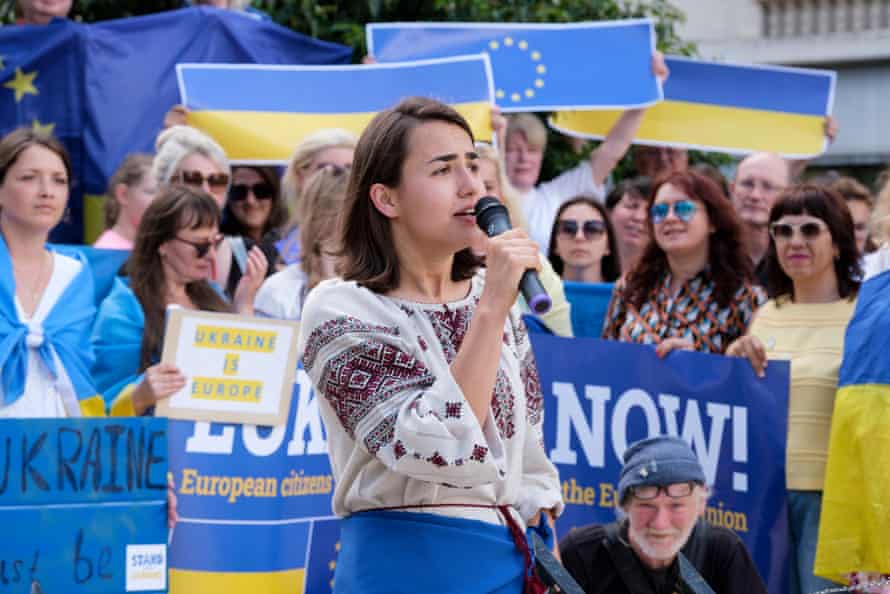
x=372 y=244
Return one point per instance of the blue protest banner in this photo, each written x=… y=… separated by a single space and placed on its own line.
x=601 y=396
x=83 y=505
x=590 y=303
x=539 y=67
x=254 y=504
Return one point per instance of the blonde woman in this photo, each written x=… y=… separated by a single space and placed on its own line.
x=491 y=169
x=330 y=147
x=130 y=191
x=282 y=295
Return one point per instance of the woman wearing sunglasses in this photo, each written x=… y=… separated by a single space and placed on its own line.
x=329 y=147
x=188 y=157
x=582 y=243
x=255 y=208
x=813 y=269
x=691 y=288
x=171 y=264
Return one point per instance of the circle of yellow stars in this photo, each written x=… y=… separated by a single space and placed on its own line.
x=517 y=95
x=21 y=83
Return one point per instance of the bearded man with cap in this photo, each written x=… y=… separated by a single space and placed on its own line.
x=662 y=494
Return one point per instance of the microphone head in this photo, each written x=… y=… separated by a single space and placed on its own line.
x=487 y=209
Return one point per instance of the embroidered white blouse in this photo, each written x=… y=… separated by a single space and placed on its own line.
x=400 y=431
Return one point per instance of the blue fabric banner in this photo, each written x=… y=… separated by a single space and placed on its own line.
x=271 y=488
x=539 y=67
x=83 y=505
x=104 y=88
x=602 y=395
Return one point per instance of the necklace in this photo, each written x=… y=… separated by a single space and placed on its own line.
x=29 y=294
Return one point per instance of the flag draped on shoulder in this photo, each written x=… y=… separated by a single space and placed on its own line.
x=104 y=88
x=854 y=529
x=62 y=341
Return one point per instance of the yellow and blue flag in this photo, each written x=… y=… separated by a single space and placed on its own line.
x=854 y=528
x=104 y=88
x=260 y=113
x=539 y=67
x=731 y=108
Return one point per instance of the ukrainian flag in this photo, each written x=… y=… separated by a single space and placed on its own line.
x=729 y=108
x=260 y=113
x=854 y=529
x=539 y=67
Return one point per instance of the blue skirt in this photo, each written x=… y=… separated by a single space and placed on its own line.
x=394 y=552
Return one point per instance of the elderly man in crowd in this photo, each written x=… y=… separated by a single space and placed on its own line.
x=759 y=179
x=662 y=494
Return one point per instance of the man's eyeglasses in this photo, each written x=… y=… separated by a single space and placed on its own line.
x=260 y=191
x=216 y=181
x=203 y=247
x=785 y=231
x=591 y=229
x=749 y=185
x=674 y=490
x=683 y=209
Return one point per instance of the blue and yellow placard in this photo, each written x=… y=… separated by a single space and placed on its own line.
x=539 y=67
x=731 y=108
x=83 y=505
x=260 y=113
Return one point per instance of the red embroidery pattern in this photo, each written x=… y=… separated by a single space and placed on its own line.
x=437 y=460
x=381 y=435
x=479 y=453
x=502 y=405
x=398 y=449
x=534 y=397
x=362 y=377
x=450 y=327
x=334 y=329
x=453 y=410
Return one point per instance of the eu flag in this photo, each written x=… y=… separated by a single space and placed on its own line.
x=104 y=88
x=539 y=67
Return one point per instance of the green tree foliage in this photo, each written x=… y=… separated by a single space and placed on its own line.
x=343 y=21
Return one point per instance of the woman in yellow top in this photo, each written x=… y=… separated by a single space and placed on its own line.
x=813 y=268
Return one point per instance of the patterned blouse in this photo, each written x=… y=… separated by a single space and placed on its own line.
x=692 y=314
x=400 y=431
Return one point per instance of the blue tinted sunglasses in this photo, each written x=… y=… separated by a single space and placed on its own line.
x=683 y=209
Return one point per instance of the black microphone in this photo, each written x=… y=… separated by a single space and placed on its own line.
x=493 y=218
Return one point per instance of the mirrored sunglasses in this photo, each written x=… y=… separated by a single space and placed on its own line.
x=203 y=247
x=674 y=490
x=591 y=229
x=683 y=210
x=216 y=181
x=260 y=191
x=785 y=231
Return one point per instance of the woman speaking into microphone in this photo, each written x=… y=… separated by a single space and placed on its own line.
x=428 y=386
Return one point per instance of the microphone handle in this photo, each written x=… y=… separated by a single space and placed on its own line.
x=534 y=293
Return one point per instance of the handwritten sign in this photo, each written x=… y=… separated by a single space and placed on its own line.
x=240 y=369
x=83 y=505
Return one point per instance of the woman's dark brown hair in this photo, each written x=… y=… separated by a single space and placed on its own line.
x=176 y=208
x=639 y=187
x=369 y=256
x=610 y=268
x=829 y=207
x=230 y=224
x=728 y=261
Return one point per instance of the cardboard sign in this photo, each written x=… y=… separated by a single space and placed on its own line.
x=240 y=369
x=83 y=505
